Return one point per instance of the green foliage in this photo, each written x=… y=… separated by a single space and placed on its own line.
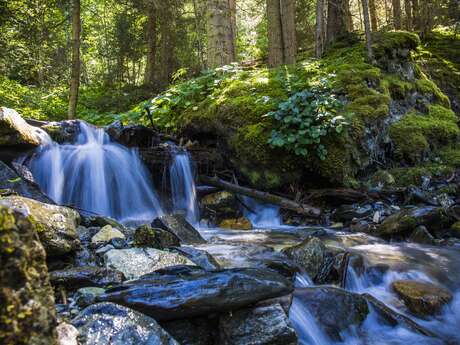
x=305 y=118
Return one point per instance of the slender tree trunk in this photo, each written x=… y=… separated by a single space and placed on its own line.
x=220 y=32
x=319 y=34
x=367 y=29
x=151 y=28
x=336 y=19
x=416 y=14
x=397 y=14
x=408 y=8
x=349 y=17
x=75 y=75
x=373 y=15
x=287 y=10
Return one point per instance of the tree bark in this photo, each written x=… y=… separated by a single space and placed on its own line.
x=75 y=74
x=319 y=34
x=408 y=8
x=336 y=19
x=367 y=30
x=263 y=196
x=416 y=14
x=282 y=44
x=220 y=27
x=151 y=28
x=397 y=14
x=373 y=15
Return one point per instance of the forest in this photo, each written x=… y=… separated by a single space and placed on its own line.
x=229 y=172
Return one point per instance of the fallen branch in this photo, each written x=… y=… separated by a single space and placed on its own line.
x=268 y=198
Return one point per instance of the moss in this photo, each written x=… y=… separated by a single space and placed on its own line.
x=428 y=87
x=386 y=43
x=451 y=156
x=416 y=134
x=395 y=87
x=415 y=175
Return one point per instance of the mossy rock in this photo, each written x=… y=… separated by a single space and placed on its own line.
x=15 y=131
x=27 y=312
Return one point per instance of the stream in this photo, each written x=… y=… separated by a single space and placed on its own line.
x=99 y=176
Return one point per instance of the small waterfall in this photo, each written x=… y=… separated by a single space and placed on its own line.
x=262 y=215
x=183 y=188
x=96 y=175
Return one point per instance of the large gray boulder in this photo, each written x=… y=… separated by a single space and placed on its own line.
x=261 y=325
x=108 y=323
x=83 y=276
x=184 y=292
x=135 y=262
x=56 y=225
x=179 y=226
x=15 y=131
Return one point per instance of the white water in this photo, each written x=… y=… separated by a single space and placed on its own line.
x=96 y=175
x=262 y=215
x=183 y=190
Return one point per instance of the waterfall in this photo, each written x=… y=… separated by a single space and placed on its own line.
x=96 y=175
x=262 y=215
x=183 y=188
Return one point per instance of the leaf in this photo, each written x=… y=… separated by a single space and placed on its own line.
x=14 y=180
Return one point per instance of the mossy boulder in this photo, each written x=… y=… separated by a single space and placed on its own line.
x=421 y=298
x=145 y=236
x=56 y=225
x=241 y=223
x=27 y=313
x=15 y=131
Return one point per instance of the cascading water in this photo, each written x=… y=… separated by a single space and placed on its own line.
x=96 y=175
x=183 y=188
x=262 y=215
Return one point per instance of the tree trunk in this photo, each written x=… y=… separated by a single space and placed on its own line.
x=397 y=14
x=151 y=28
x=367 y=29
x=373 y=15
x=336 y=19
x=416 y=14
x=262 y=196
x=287 y=10
x=408 y=8
x=75 y=74
x=221 y=27
x=319 y=35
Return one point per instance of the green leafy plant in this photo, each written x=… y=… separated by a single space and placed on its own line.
x=305 y=118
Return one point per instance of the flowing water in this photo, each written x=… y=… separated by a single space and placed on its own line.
x=183 y=189
x=96 y=175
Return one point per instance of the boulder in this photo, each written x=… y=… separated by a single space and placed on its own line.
x=77 y=277
x=146 y=236
x=27 y=313
x=309 y=255
x=455 y=229
x=193 y=331
x=133 y=135
x=87 y=296
x=179 y=226
x=15 y=131
x=220 y=205
x=421 y=235
x=241 y=223
x=422 y=298
x=63 y=131
x=335 y=309
x=108 y=323
x=184 y=292
x=347 y=213
x=56 y=225
x=106 y=234
x=101 y=221
x=407 y=220
x=67 y=334
x=200 y=257
x=11 y=181
x=260 y=325
x=135 y=262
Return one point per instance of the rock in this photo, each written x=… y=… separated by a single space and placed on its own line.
x=145 y=236
x=135 y=262
x=27 y=313
x=407 y=220
x=108 y=323
x=309 y=255
x=184 y=292
x=101 y=221
x=421 y=235
x=10 y=180
x=220 y=205
x=241 y=223
x=87 y=296
x=106 y=234
x=133 y=135
x=56 y=225
x=63 y=131
x=335 y=309
x=455 y=229
x=257 y=326
x=15 y=131
x=104 y=249
x=422 y=299
x=119 y=243
x=347 y=213
x=67 y=334
x=77 y=277
x=179 y=226
x=200 y=257
x=193 y=331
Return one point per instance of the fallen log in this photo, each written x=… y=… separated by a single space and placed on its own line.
x=268 y=198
